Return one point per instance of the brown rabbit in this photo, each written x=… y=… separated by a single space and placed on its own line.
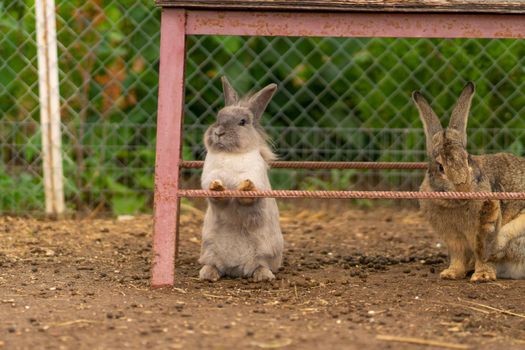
x=472 y=229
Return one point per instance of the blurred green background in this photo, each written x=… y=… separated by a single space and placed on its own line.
x=338 y=99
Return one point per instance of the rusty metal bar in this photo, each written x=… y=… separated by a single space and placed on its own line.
x=388 y=25
x=197 y=164
x=354 y=194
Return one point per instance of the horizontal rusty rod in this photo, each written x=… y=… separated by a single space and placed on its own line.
x=196 y=164
x=355 y=194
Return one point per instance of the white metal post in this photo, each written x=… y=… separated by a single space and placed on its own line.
x=49 y=106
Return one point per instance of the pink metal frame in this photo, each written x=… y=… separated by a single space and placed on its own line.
x=169 y=145
x=178 y=23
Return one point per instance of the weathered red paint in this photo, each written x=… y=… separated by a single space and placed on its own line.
x=413 y=25
x=169 y=144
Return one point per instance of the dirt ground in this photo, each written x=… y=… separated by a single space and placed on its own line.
x=351 y=277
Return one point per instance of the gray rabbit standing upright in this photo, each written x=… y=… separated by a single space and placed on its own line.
x=241 y=237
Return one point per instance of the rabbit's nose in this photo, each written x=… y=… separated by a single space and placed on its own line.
x=219 y=133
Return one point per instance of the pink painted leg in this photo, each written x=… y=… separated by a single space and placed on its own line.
x=169 y=144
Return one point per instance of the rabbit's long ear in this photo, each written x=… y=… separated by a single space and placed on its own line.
x=230 y=95
x=458 y=120
x=430 y=120
x=258 y=102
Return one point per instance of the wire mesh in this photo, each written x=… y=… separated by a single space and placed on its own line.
x=339 y=99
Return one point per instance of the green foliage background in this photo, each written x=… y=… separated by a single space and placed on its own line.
x=338 y=99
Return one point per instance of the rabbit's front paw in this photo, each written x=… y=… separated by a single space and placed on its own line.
x=263 y=274
x=452 y=274
x=209 y=273
x=246 y=185
x=217 y=185
x=484 y=274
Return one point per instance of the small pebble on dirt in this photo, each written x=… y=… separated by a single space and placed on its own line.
x=473 y=295
x=458 y=319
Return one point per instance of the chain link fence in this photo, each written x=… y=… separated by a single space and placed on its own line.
x=339 y=99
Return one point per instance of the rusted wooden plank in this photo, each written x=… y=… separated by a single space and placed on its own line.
x=482 y=6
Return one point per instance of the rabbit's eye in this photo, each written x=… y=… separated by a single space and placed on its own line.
x=440 y=168
x=242 y=122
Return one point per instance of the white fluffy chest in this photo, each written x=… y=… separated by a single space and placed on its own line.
x=231 y=169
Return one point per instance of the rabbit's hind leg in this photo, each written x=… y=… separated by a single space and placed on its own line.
x=512 y=230
x=209 y=273
x=513 y=264
x=262 y=273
